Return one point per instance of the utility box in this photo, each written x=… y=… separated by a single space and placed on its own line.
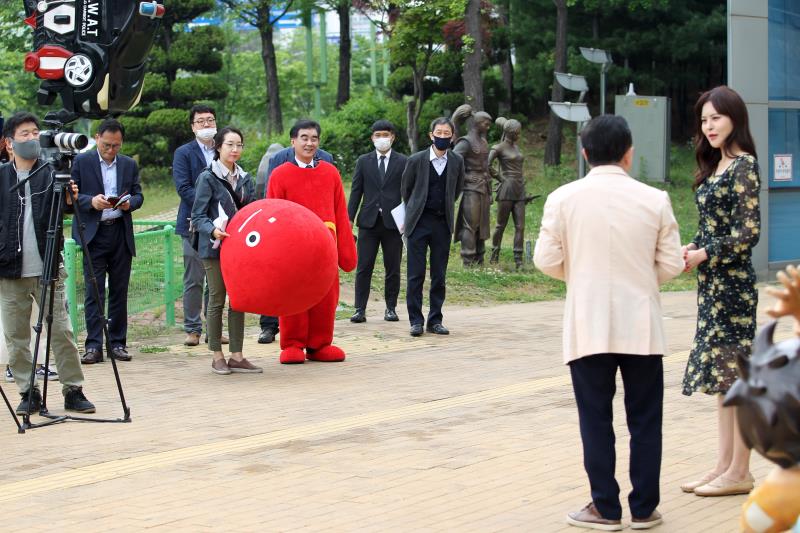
x=649 y=120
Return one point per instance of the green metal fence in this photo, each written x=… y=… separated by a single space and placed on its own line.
x=156 y=273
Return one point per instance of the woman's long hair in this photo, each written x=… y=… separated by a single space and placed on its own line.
x=726 y=102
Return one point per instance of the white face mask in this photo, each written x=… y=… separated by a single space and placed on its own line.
x=382 y=144
x=206 y=134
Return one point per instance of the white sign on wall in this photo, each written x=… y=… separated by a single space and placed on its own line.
x=782 y=166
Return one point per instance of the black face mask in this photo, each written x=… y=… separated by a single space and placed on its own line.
x=441 y=143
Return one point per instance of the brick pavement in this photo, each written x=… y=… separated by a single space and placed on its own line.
x=472 y=432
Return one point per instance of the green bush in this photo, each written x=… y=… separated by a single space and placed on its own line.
x=156 y=87
x=346 y=133
x=152 y=175
x=208 y=40
x=195 y=87
x=135 y=128
x=169 y=122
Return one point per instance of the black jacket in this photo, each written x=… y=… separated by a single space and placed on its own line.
x=87 y=174
x=414 y=187
x=12 y=214
x=378 y=197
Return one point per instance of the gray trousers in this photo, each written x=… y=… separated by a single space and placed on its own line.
x=16 y=300
x=193 y=275
x=216 y=302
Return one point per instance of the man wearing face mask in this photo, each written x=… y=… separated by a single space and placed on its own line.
x=377 y=182
x=189 y=161
x=24 y=221
x=432 y=182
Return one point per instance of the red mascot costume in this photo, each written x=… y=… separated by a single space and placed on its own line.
x=320 y=190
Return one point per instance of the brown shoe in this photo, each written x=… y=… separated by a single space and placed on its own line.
x=92 y=356
x=723 y=486
x=192 y=339
x=646 y=523
x=590 y=518
x=244 y=366
x=219 y=366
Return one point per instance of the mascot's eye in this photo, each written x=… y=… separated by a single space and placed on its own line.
x=253 y=238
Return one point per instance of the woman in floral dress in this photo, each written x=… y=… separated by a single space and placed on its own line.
x=726 y=193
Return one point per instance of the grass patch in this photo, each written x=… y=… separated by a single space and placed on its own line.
x=153 y=349
x=159 y=196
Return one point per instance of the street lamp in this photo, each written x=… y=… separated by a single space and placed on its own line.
x=578 y=113
x=596 y=55
x=573 y=82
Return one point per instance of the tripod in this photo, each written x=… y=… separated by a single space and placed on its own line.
x=54 y=240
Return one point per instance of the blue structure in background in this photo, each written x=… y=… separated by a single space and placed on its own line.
x=784 y=129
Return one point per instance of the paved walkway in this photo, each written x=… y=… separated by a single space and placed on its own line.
x=472 y=432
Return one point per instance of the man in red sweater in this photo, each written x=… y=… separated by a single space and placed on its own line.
x=317 y=186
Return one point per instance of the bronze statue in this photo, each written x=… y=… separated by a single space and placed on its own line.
x=511 y=197
x=472 y=223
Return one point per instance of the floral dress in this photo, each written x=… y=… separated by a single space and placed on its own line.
x=726 y=294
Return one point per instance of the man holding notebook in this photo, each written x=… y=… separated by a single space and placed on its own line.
x=109 y=191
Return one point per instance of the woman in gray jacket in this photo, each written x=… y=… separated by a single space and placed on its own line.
x=221 y=190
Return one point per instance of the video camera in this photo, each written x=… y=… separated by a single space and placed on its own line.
x=92 y=53
x=59 y=147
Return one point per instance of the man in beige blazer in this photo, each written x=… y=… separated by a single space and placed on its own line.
x=613 y=240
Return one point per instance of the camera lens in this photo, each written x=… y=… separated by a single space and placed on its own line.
x=68 y=142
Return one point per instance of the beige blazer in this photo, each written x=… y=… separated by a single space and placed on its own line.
x=614 y=240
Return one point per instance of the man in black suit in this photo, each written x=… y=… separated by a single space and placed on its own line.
x=431 y=184
x=103 y=176
x=377 y=182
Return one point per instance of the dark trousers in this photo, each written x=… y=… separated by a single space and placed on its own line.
x=108 y=255
x=593 y=380
x=268 y=322
x=391 y=243
x=431 y=232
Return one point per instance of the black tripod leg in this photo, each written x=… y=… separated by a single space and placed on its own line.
x=48 y=348
x=96 y=288
x=20 y=429
x=55 y=234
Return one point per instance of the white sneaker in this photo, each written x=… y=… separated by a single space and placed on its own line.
x=9 y=375
x=52 y=375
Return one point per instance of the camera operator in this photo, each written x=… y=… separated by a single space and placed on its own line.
x=24 y=219
x=104 y=177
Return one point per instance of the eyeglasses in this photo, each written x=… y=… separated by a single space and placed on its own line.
x=231 y=145
x=107 y=146
x=205 y=121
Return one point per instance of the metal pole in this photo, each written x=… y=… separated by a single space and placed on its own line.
x=603 y=89
x=385 y=64
x=169 y=275
x=581 y=161
x=70 y=285
x=323 y=48
x=373 y=57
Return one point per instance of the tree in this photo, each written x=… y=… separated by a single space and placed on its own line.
x=552 y=151
x=17 y=87
x=182 y=69
x=259 y=14
x=473 y=47
x=502 y=47
x=415 y=36
x=342 y=8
